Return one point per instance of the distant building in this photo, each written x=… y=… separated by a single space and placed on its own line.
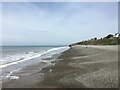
x=109 y=36
x=117 y=35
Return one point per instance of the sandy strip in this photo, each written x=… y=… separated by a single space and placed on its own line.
x=79 y=67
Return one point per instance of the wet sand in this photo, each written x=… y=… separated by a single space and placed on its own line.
x=79 y=67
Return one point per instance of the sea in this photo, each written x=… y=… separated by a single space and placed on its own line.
x=15 y=58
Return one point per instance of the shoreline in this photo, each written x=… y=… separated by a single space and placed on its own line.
x=82 y=66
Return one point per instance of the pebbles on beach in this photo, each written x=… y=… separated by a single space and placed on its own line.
x=97 y=69
x=78 y=67
x=103 y=78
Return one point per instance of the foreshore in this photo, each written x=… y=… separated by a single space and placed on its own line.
x=82 y=66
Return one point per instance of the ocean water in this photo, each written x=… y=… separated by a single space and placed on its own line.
x=14 y=58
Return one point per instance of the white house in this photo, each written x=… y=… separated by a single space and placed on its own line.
x=117 y=35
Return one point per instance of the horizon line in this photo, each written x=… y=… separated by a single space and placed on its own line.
x=34 y=45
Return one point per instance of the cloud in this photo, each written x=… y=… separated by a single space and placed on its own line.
x=57 y=23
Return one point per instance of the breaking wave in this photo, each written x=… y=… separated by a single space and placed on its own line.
x=14 y=59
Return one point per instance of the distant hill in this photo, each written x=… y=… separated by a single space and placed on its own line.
x=107 y=40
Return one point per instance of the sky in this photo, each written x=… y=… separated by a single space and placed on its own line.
x=57 y=23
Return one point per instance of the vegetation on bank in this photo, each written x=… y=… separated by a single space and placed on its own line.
x=108 y=40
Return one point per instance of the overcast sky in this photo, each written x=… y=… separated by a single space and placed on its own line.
x=57 y=23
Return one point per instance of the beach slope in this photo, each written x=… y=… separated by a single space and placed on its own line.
x=82 y=66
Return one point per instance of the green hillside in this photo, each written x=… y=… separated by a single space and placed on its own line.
x=108 y=40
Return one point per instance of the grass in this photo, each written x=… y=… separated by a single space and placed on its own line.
x=102 y=41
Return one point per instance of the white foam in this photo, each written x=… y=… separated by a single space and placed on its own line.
x=14 y=77
x=15 y=62
x=11 y=60
x=9 y=74
x=45 y=61
x=55 y=49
